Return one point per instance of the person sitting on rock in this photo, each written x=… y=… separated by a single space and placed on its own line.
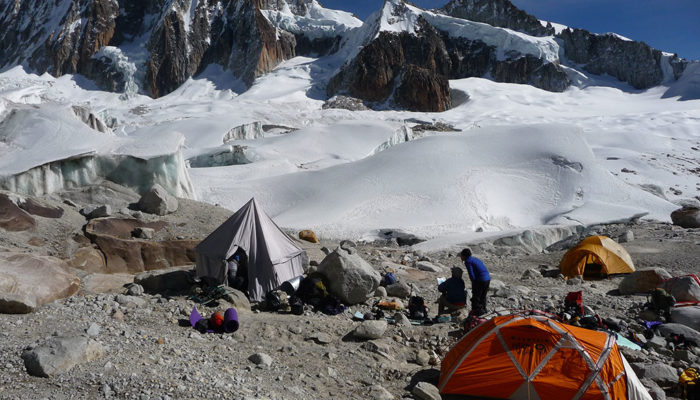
x=453 y=295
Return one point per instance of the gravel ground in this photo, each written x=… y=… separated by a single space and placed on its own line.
x=151 y=355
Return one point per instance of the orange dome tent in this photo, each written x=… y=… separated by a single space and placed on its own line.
x=608 y=255
x=535 y=357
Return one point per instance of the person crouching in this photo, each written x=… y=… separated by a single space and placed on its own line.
x=453 y=295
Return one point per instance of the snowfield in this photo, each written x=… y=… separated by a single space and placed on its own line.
x=522 y=157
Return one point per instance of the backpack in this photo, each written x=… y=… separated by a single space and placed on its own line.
x=296 y=306
x=276 y=300
x=662 y=301
x=573 y=304
x=689 y=384
x=388 y=279
x=312 y=287
x=417 y=308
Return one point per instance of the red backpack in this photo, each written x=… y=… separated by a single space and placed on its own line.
x=573 y=304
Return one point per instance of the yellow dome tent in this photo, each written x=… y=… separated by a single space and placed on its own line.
x=596 y=254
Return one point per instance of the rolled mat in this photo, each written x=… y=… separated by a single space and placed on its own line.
x=230 y=320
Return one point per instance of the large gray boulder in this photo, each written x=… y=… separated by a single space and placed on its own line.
x=688 y=316
x=398 y=289
x=158 y=201
x=350 y=277
x=27 y=281
x=662 y=374
x=687 y=217
x=670 y=329
x=643 y=280
x=683 y=288
x=59 y=354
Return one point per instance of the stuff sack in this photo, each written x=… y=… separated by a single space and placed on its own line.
x=417 y=308
x=689 y=383
x=312 y=289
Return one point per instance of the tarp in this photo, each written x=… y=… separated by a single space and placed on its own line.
x=601 y=250
x=535 y=357
x=273 y=257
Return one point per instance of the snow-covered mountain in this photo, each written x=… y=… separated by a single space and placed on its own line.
x=468 y=120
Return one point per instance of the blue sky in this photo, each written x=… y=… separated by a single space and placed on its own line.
x=668 y=25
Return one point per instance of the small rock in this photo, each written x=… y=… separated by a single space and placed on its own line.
x=531 y=273
x=370 y=330
x=380 y=292
x=261 y=359
x=143 y=233
x=134 y=289
x=422 y=358
x=426 y=391
x=398 y=289
x=427 y=266
x=376 y=392
x=626 y=237
x=118 y=315
x=93 y=330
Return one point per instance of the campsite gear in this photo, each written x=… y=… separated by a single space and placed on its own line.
x=443 y=318
x=273 y=257
x=534 y=357
x=388 y=279
x=389 y=305
x=689 y=384
x=276 y=300
x=296 y=306
x=662 y=301
x=216 y=321
x=417 y=308
x=203 y=326
x=291 y=286
x=312 y=289
x=330 y=305
x=573 y=304
x=358 y=316
x=231 y=320
x=472 y=321
x=210 y=296
x=600 y=250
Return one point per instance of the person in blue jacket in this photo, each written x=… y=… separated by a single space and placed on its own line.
x=481 y=279
x=453 y=295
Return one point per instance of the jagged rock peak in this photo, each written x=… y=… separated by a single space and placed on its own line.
x=501 y=13
x=297 y=7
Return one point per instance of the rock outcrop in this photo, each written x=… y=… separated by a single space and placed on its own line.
x=24 y=285
x=501 y=13
x=181 y=38
x=629 y=61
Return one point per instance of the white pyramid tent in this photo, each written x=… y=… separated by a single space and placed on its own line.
x=273 y=257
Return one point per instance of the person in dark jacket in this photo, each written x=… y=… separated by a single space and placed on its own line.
x=453 y=296
x=481 y=279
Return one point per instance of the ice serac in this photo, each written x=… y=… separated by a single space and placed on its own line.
x=627 y=60
x=501 y=13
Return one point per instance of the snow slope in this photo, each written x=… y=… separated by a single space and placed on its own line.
x=524 y=157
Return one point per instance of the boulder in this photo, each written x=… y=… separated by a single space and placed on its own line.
x=686 y=217
x=662 y=374
x=683 y=288
x=427 y=266
x=35 y=207
x=176 y=279
x=12 y=217
x=655 y=391
x=261 y=359
x=426 y=391
x=626 y=237
x=351 y=278
x=531 y=273
x=237 y=298
x=370 y=330
x=24 y=284
x=308 y=235
x=94 y=211
x=89 y=259
x=671 y=329
x=398 y=289
x=377 y=392
x=106 y=283
x=157 y=201
x=643 y=280
x=688 y=316
x=61 y=353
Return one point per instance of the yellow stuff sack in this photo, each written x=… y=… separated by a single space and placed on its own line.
x=688 y=382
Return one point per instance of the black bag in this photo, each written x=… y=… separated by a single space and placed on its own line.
x=273 y=301
x=417 y=308
x=296 y=305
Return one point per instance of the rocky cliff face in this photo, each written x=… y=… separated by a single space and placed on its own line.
x=501 y=13
x=181 y=38
x=417 y=64
x=629 y=61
